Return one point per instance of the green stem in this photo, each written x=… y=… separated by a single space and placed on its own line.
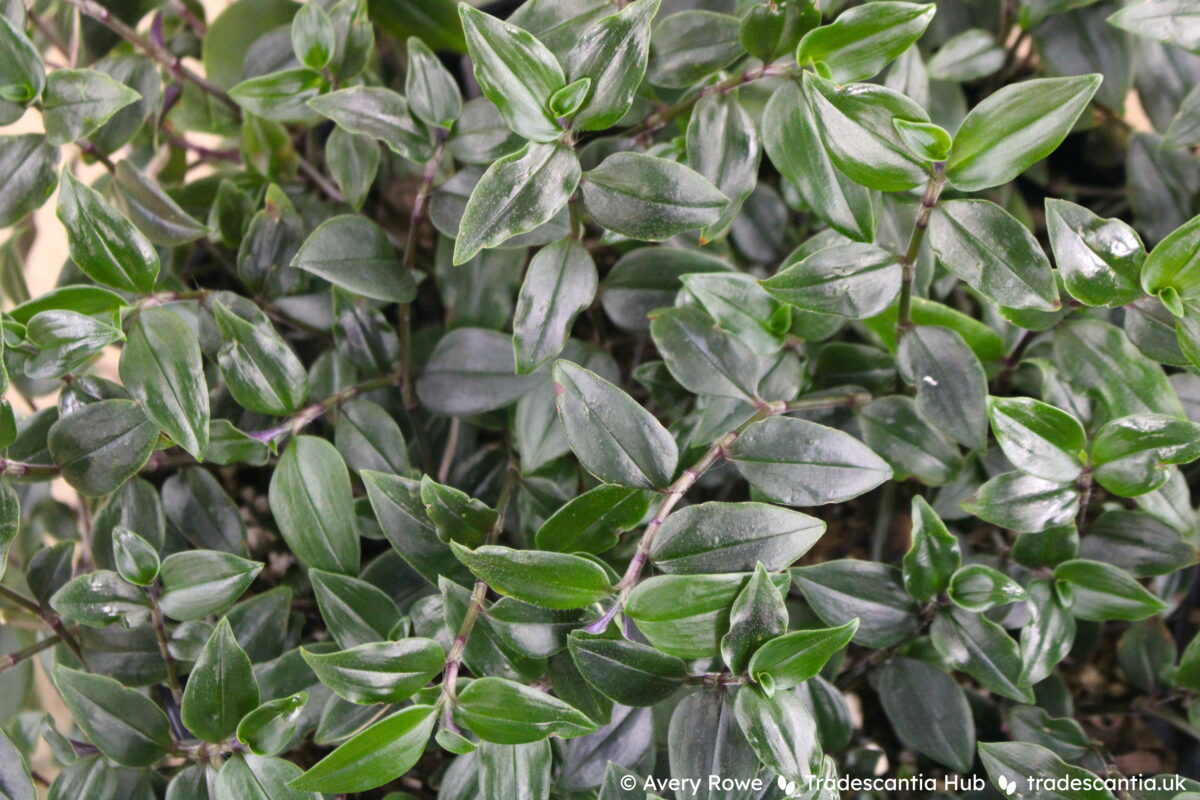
x=11 y=660
x=718 y=451
x=310 y=414
x=19 y=469
x=474 y=609
x=160 y=633
x=47 y=616
x=908 y=262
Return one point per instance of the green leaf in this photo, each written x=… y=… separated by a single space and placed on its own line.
x=978 y=588
x=354 y=253
x=1170 y=21
x=567 y=100
x=283 y=96
x=933 y=556
x=401 y=514
x=691 y=45
x=312 y=502
x=800 y=463
x=927 y=141
x=704 y=739
x=769 y=31
x=152 y=210
x=221 y=688
x=1102 y=592
x=702 y=357
x=781 y=731
x=841 y=591
x=103 y=243
x=757 y=615
x=198 y=507
x=22 y=76
x=531 y=631
x=793 y=143
x=909 y=443
x=135 y=558
x=515 y=770
x=379 y=113
x=515 y=71
x=863 y=40
x=1048 y=636
x=723 y=146
x=793 y=658
x=123 y=723
x=76 y=102
x=851 y=280
x=314 y=39
x=517 y=194
x=260 y=369
x=1138 y=542
x=1131 y=454
x=66 y=341
x=353 y=161
x=1015 y=128
x=1024 y=503
x=161 y=367
x=197 y=583
x=991 y=251
x=951 y=384
x=966 y=57
x=505 y=712
x=29 y=164
x=1018 y=762
x=355 y=612
x=649 y=198
x=268 y=729
x=686 y=615
x=559 y=283
x=101 y=598
x=251 y=777
x=631 y=673
x=10 y=524
x=1038 y=438
x=540 y=578
x=472 y=371
x=742 y=307
x=857 y=124
x=102 y=445
x=1099 y=259
x=928 y=712
x=614 y=438
x=15 y=781
x=592 y=522
x=1099 y=359
x=378 y=672
x=457 y=516
x=432 y=93
x=378 y=755
x=1173 y=264
x=613 y=52
x=979 y=647
x=732 y=537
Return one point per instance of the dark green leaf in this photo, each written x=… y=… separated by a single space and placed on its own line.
x=135 y=558
x=221 y=688
x=702 y=357
x=123 y=723
x=928 y=711
x=312 y=502
x=379 y=113
x=105 y=245
x=378 y=672
x=840 y=591
x=78 y=101
x=631 y=673
x=161 y=367
x=801 y=463
x=268 y=729
x=29 y=164
x=592 y=522
x=863 y=40
x=732 y=537
x=378 y=755
x=934 y=555
x=197 y=583
x=1103 y=592
x=851 y=280
x=793 y=658
x=781 y=731
x=559 y=284
x=649 y=198
x=101 y=598
x=692 y=45
x=354 y=253
x=615 y=439
x=1100 y=259
x=613 y=53
x=1038 y=438
x=260 y=369
x=102 y=445
x=979 y=647
x=540 y=578
x=950 y=382
x=505 y=712
x=1015 y=128
x=355 y=612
